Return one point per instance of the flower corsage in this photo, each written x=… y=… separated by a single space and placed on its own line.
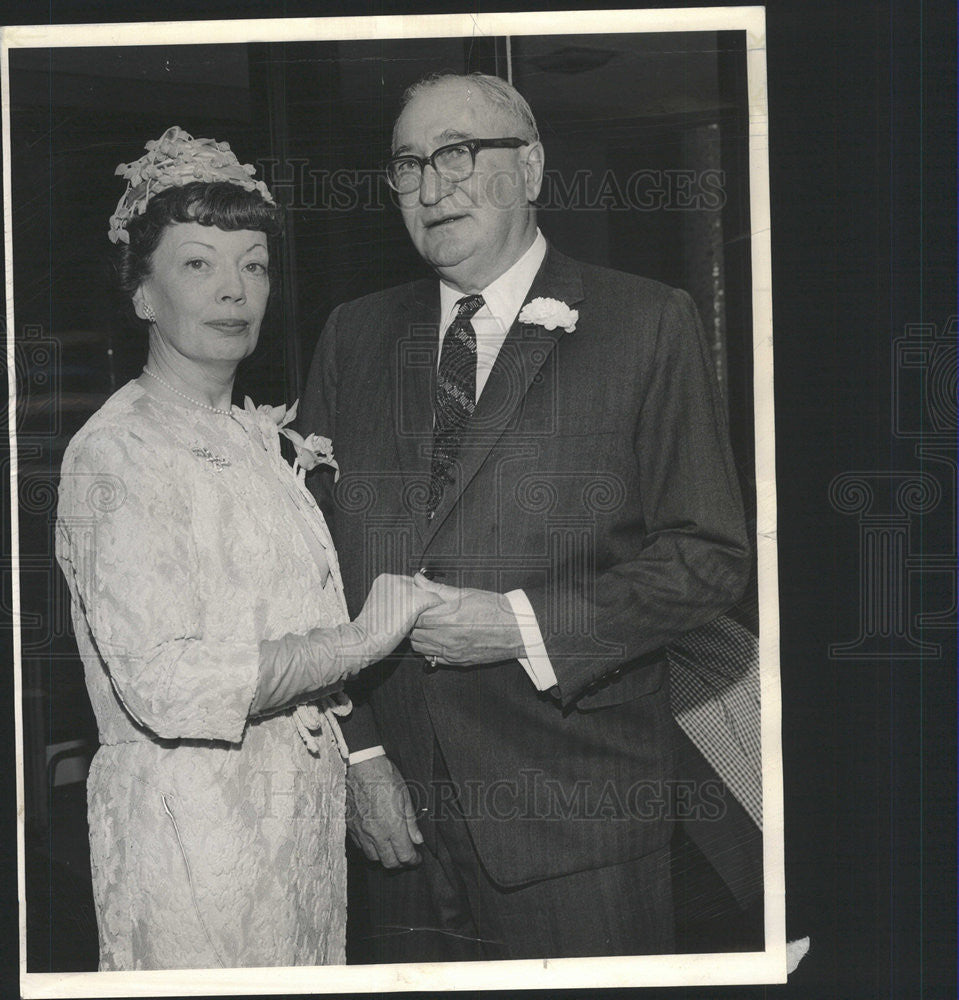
x=311 y=451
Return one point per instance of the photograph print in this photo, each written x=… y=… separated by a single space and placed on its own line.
x=395 y=502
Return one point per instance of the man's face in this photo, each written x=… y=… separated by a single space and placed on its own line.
x=470 y=231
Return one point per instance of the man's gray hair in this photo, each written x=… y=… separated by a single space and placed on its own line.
x=500 y=94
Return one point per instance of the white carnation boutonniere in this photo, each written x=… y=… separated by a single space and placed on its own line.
x=311 y=451
x=549 y=313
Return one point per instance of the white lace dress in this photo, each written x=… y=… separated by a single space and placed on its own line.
x=215 y=840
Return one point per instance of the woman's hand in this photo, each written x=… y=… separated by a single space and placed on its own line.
x=391 y=609
x=297 y=668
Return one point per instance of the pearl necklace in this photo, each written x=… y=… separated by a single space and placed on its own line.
x=190 y=399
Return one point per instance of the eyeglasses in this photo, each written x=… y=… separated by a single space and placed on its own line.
x=454 y=162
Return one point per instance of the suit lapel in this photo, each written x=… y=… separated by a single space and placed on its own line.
x=524 y=352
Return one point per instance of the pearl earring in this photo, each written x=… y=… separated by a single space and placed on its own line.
x=150 y=314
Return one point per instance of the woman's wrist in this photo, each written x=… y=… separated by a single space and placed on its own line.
x=356 y=648
x=301 y=667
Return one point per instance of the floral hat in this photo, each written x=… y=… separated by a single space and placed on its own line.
x=174 y=160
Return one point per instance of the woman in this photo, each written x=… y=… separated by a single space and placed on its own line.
x=208 y=607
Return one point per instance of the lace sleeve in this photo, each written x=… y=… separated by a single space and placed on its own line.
x=126 y=544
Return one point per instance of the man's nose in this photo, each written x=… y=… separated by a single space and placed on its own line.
x=432 y=186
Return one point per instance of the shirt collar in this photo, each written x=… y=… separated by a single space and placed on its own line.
x=503 y=297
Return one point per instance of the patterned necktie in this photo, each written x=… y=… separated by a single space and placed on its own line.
x=455 y=397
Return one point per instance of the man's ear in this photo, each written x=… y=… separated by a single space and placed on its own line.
x=534 y=167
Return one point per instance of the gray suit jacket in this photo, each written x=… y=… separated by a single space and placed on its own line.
x=596 y=475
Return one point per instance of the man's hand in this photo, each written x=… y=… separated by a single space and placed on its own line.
x=472 y=627
x=389 y=612
x=380 y=815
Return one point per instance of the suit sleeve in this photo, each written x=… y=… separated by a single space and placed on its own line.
x=318 y=416
x=691 y=551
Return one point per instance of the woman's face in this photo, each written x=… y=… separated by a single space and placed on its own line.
x=208 y=290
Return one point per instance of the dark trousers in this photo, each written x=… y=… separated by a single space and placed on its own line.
x=449 y=909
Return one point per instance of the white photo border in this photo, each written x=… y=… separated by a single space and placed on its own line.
x=768 y=966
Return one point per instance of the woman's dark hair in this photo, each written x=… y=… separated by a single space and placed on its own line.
x=220 y=203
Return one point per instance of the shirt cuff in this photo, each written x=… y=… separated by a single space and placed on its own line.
x=367 y=754
x=536 y=662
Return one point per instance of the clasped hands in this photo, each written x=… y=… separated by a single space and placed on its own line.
x=451 y=626
x=468 y=628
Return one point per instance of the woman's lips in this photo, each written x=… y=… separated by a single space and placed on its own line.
x=228 y=325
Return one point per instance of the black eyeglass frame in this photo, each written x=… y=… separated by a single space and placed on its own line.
x=473 y=145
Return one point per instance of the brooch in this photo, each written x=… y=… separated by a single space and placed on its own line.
x=216 y=461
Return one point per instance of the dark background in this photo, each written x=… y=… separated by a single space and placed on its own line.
x=862 y=158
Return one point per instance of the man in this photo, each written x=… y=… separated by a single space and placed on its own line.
x=546 y=439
